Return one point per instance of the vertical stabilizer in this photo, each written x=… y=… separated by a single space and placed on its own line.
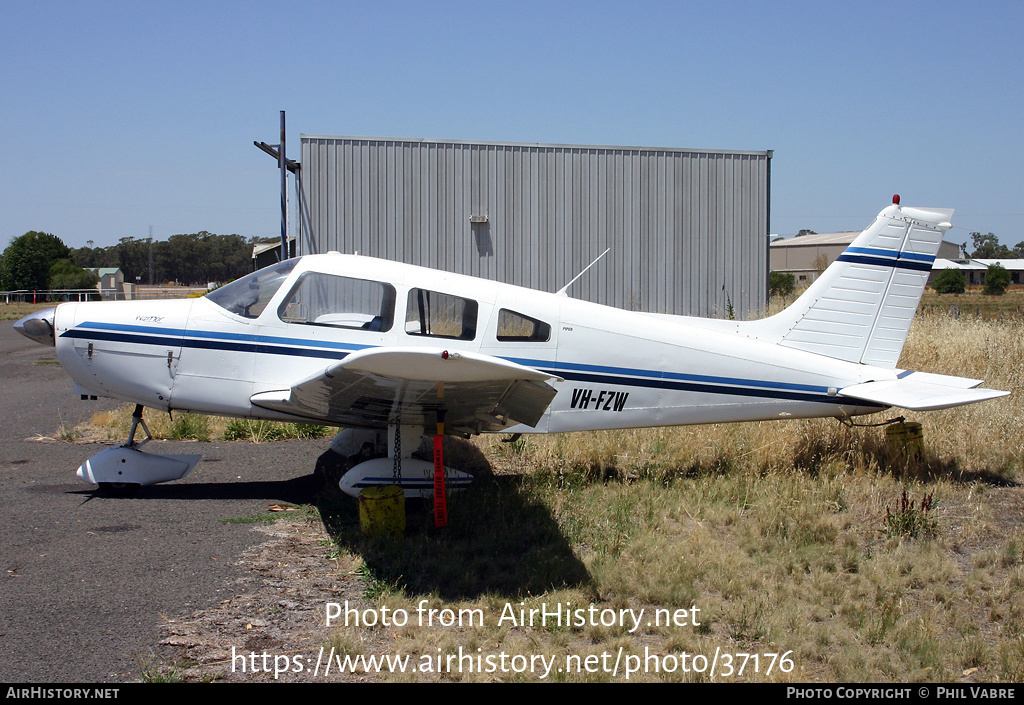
x=861 y=307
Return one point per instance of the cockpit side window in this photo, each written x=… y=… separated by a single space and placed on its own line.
x=249 y=295
x=340 y=302
x=517 y=327
x=438 y=315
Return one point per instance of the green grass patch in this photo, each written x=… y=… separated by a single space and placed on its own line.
x=269 y=431
x=262 y=518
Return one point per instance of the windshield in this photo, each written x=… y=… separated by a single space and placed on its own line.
x=249 y=295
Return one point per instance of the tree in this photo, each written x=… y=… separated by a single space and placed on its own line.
x=988 y=247
x=950 y=281
x=197 y=258
x=27 y=261
x=997 y=278
x=805 y=231
x=780 y=283
x=65 y=274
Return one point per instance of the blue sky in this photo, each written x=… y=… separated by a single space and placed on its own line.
x=121 y=116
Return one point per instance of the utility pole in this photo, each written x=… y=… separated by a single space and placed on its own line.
x=277 y=151
x=281 y=163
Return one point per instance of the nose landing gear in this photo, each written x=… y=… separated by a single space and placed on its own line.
x=121 y=471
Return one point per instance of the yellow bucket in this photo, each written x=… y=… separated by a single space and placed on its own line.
x=382 y=510
x=905 y=439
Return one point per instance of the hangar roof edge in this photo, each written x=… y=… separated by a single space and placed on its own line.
x=423 y=140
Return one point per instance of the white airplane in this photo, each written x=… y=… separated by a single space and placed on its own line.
x=393 y=352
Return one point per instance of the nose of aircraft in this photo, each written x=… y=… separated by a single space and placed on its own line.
x=38 y=326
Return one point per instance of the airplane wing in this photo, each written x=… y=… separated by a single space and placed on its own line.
x=922 y=391
x=381 y=386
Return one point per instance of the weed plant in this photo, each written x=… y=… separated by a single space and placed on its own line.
x=910 y=520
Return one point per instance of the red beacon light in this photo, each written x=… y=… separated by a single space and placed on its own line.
x=896 y=199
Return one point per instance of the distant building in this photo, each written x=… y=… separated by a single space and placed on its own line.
x=975 y=269
x=111 y=283
x=265 y=254
x=806 y=256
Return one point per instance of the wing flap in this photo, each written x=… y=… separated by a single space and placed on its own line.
x=374 y=388
x=921 y=395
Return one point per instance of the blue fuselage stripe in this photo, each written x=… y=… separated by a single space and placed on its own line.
x=596 y=374
x=179 y=334
x=567 y=369
x=703 y=388
x=232 y=346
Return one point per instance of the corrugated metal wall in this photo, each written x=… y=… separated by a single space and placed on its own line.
x=687 y=229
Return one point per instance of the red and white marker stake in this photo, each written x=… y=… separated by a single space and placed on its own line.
x=440 y=500
x=440 y=496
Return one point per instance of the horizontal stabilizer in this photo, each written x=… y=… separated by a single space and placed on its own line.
x=920 y=392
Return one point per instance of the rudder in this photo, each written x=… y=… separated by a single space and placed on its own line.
x=861 y=307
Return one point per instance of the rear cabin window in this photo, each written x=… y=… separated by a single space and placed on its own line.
x=438 y=315
x=340 y=302
x=516 y=327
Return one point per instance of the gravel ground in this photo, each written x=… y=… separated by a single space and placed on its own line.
x=92 y=585
x=277 y=607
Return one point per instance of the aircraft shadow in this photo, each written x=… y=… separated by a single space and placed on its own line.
x=499 y=541
x=296 y=490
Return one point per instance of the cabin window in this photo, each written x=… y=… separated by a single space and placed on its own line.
x=340 y=302
x=249 y=295
x=516 y=327
x=440 y=315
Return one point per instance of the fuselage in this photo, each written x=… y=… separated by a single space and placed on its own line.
x=615 y=368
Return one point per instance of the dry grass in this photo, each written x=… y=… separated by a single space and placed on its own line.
x=17 y=309
x=114 y=426
x=775 y=531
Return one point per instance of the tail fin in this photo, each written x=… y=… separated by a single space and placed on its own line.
x=861 y=307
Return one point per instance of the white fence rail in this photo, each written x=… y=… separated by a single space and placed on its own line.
x=59 y=295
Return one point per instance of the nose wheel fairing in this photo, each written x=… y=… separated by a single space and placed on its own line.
x=126 y=467
x=130 y=466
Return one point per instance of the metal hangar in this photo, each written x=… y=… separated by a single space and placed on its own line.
x=687 y=229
